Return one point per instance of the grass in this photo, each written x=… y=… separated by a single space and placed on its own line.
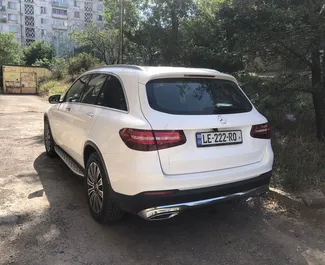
x=51 y=87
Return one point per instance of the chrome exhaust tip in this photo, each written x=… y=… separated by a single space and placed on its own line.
x=154 y=214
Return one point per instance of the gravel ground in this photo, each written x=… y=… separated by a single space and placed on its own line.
x=44 y=217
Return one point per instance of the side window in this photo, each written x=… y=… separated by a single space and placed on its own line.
x=75 y=92
x=112 y=94
x=92 y=90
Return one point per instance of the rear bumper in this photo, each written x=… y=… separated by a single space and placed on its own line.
x=151 y=206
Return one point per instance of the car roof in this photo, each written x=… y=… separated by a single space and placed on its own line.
x=147 y=73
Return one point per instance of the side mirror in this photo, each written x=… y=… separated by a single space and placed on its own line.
x=54 y=99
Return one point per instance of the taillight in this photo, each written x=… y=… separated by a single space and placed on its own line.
x=147 y=140
x=261 y=131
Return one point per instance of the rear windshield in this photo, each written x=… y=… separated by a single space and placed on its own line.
x=199 y=96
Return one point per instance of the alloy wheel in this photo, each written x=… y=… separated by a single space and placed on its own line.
x=47 y=137
x=95 y=187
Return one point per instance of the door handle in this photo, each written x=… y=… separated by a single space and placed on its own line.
x=90 y=114
x=68 y=109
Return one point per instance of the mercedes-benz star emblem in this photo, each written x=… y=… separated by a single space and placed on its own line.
x=222 y=119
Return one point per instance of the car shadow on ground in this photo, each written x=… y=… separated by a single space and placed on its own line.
x=226 y=234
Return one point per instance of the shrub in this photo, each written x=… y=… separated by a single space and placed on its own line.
x=59 y=68
x=298 y=154
x=53 y=87
x=38 y=50
x=42 y=62
x=81 y=63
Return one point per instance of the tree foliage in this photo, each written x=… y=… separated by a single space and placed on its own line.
x=10 y=52
x=38 y=50
x=81 y=63
x=42 y=63
x=224 y=35
x=103 y=41
x=290 y=31
x=59 y=68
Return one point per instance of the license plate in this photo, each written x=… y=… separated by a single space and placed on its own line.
x=218 y=138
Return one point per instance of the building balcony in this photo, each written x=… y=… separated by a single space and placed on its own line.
x=59 y=4
x=60 y=16
x=60 y=26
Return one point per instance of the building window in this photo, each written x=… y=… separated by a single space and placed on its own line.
x=59 y=12
x=12 y=5
x=13 y=28
x=100 y=7
x=76 y=4
x=63 y=3
x=43 y=32
x=29 y=1
x=43 y=10
x=100 y=18
x=77 y=14
x=12 y=17
x=44 y=21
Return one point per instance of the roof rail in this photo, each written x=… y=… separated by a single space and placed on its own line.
x=129 y=66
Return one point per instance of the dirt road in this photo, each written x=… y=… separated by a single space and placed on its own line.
x=44 y=218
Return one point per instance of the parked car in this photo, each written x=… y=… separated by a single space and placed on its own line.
x=155 y=141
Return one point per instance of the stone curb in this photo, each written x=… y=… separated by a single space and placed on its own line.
x=311 y=200
x=287 y=199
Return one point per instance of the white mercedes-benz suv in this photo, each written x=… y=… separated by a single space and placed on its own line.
x=155 y=141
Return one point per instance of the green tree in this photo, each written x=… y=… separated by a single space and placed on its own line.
x=158 y=34
x=205 y=41
x=81 y=63
x=103 y=41
x=38 y=50
x=293 y=30
x=59 y=68
x=10 y=52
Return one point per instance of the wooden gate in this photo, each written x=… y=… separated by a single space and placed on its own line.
x=28 y=82
x=12 y=83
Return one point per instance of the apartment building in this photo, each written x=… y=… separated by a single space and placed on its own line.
x=50 y=20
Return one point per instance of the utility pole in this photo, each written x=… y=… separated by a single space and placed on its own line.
x=121 y=31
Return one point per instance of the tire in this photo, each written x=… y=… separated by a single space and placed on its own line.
x=48 y=140
x=97 y=188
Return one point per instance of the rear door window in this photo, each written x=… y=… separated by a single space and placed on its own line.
x=112 y=94
x=93 y=88
x=196 y=96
